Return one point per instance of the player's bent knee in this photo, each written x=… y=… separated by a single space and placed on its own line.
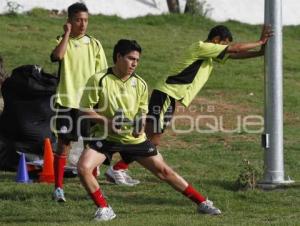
x=166 y=174
x=83 y=169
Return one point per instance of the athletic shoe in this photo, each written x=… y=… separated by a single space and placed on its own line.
x=58 y=195
x=207 y=207
x=104 y=214
x=120 y=177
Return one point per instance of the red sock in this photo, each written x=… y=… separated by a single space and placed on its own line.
x=193 y=195
x=121 y=165
x=95 y=172
x=99 y=199
x=59 y=170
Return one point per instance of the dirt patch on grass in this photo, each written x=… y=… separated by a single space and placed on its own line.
x=208 y=114
x=173 y=140
x=291 y=118
x=206 y=111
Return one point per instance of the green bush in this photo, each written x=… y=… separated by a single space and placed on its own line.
x=38 y=12
x=248 y=176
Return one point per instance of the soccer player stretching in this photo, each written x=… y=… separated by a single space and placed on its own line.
x=120 y=89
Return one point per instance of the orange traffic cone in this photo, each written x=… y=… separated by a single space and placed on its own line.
x=47 y=175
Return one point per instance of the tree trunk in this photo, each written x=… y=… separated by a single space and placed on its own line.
x=190 y=6
x=173 y=6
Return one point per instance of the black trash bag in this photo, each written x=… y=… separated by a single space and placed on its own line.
x=27 y=112
x=8 y=156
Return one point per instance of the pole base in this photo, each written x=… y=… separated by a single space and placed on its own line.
x=267 y=185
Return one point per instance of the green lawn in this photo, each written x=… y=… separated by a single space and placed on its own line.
x=211 y=162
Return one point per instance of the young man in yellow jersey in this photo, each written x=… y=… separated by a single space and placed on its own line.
x=187 y=79
x=80 y=56
x=120 y=89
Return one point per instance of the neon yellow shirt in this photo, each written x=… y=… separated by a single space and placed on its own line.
x=83 y=58
x=191 y=75
x=109 y=93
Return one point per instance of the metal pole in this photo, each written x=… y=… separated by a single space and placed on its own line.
x=273 y=137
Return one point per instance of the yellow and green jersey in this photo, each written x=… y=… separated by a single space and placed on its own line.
x=192 y=73
x=83 y=58
x=107 y=93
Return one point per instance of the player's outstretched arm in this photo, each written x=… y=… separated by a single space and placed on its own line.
x=245 y=50
x=248 y=54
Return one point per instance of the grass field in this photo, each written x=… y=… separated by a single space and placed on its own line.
x=211 y=162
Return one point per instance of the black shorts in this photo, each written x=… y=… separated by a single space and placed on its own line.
x=67 y=128
x=128 y=152
x=161 y=111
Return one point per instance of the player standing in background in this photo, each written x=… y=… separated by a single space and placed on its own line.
x=80 y=56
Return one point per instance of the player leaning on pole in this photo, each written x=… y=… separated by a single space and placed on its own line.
x=186 y=81
x=80 y=56
x=120 y=89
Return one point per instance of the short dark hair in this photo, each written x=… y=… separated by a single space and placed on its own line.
x=75 y=8
x=222 y=31
x=125 y=46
